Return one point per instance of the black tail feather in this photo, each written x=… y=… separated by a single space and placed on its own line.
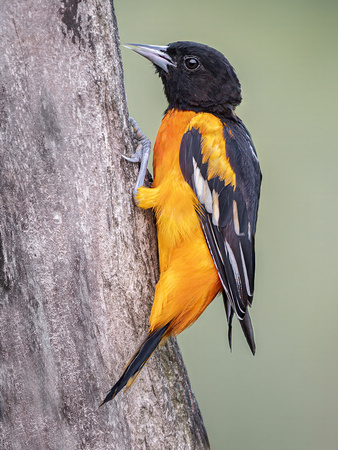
x=230 y=314
x=245 y=324
x=248 y=331
x=137 y=362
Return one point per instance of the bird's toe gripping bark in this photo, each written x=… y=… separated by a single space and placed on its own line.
x=141 y=154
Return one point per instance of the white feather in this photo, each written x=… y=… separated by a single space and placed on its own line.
x=215 y=208
x=246 y=277
x=207 y=197
x=235 y=269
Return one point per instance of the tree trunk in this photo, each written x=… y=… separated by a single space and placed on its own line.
x=78 y=261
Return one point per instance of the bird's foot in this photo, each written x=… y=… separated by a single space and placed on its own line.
x=141 y=154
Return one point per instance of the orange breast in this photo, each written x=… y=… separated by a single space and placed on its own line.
x=167 y=145
x=175 y=209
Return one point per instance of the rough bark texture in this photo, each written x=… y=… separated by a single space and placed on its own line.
x=78 y=261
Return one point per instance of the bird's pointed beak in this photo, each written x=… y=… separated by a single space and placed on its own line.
x=157 y=54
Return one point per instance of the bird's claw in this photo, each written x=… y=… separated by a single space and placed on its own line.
x=141 y=154
x=136 y=157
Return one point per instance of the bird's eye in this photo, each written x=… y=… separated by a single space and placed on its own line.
x=191 y=63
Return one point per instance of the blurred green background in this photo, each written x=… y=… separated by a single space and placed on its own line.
x=286 y=56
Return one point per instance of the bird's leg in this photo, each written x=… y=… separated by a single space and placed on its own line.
x=141 y=154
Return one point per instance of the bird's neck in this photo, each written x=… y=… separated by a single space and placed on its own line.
x=222 y=111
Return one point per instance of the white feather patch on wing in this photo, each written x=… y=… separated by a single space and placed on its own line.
x=236 y=220
x=246 y=277
x=249 y=231
x=235 y=269
x=215 y=208
x=207 y=197
x=199 y=182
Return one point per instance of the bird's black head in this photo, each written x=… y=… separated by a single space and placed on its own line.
x=195 y=77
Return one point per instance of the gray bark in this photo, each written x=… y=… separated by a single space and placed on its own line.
x=78 y=261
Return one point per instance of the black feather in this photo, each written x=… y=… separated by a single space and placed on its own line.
x=248 y=331
x=137 y=362
x=230 y=314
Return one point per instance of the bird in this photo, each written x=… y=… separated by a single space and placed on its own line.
x=205 y=195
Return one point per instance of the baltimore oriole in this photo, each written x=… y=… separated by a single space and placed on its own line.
x=205 y=196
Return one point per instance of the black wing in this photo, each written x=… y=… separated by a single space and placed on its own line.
x=222 y=168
